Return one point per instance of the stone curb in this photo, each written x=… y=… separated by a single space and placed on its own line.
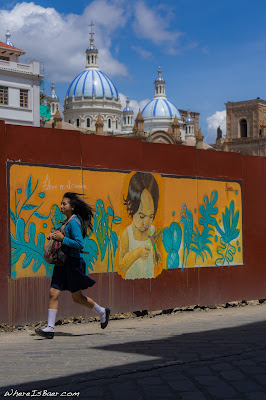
x=136 y=314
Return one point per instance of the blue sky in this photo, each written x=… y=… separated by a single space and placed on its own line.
x=210 y=52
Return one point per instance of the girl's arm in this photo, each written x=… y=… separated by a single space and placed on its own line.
x=74 y=238
x=127 y=258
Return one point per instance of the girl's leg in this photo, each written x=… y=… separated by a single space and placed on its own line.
x=48 y=332
x=53 y=300
x=78 y=297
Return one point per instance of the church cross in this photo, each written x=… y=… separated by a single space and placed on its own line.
x=91 y=25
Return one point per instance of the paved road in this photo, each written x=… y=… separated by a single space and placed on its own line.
x=218 y=354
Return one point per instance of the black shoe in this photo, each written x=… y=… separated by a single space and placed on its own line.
x=107 y=315
x=47 y=335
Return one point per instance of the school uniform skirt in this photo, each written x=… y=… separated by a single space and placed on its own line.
x=71 y=276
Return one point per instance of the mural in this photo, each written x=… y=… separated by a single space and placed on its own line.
x=143 y=223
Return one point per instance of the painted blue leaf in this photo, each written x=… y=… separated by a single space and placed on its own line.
x=110 y=211
x=167 y=239
x=176 y=232
x=38 y=215
x=117 y=220
x=41 y=195
x=91 y=247
x=114 y=240
x=13 y=217
x=100 y=227
x=28 y=188
x=28 y=207
x=29 y=248
x=56 y=216
x=172 y=259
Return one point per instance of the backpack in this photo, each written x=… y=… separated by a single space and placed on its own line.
x=55 y=252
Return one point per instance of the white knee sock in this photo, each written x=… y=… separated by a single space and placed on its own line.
x=100 y=311
x=51 y=320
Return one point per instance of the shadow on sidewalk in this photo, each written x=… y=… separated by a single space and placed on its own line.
x=180 y=351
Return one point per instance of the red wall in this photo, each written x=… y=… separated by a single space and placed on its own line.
x=26 y=299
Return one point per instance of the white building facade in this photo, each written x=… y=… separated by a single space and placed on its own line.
x=19 y=87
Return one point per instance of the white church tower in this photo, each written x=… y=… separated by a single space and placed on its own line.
x=90 y=94
x=53 y=101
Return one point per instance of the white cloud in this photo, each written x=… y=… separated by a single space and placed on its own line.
x=60 y=41
x=149 y=24
x=215 y=120
x=142 y=52
x=134 y=104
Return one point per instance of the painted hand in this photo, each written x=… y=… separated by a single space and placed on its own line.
x=145 y=252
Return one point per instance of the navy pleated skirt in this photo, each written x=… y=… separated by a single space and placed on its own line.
x=71 y=276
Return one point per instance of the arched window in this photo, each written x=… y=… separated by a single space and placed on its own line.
x=186 y=129
x=109 y=123
x=189 y=129
x=243 y=128
x=52 y=108
x=92 y=59
x=69 y=121
x=160 y=89
x=88 y=123
x=156 y=89
x=88 y=59
x=125 y=120
x=77 y=122
x=116 y=124
x=128 y=120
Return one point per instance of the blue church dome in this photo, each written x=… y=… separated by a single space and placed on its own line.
x=128 y=109
x=92 y=82
x=160 y=108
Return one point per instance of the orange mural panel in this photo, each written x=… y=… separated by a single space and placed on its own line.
x=143 y=222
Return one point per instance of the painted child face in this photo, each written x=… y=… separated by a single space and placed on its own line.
x=145 y=214
x=66 y=208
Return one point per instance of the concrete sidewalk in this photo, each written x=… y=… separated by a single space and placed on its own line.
x=218 y=354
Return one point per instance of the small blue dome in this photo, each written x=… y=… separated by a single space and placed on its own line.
x=92 y=82
x=128 y=109
x=9 y=43
x=189 y=120
x=159 y=79
x=53 y=96
x=160 y=108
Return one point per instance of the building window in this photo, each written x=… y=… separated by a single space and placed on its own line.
x=69 y=121
x=116 y=124
x=88 y=123
x=77 y=122
x=125 y=120
x=92 y=59
x=243 y=128
x=53 y=108
x=88 y=59
x=3 y=95
x=24 y=98
x=4 y=58
x=109 y=123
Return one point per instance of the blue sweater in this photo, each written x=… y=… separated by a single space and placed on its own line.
x=73 y=238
